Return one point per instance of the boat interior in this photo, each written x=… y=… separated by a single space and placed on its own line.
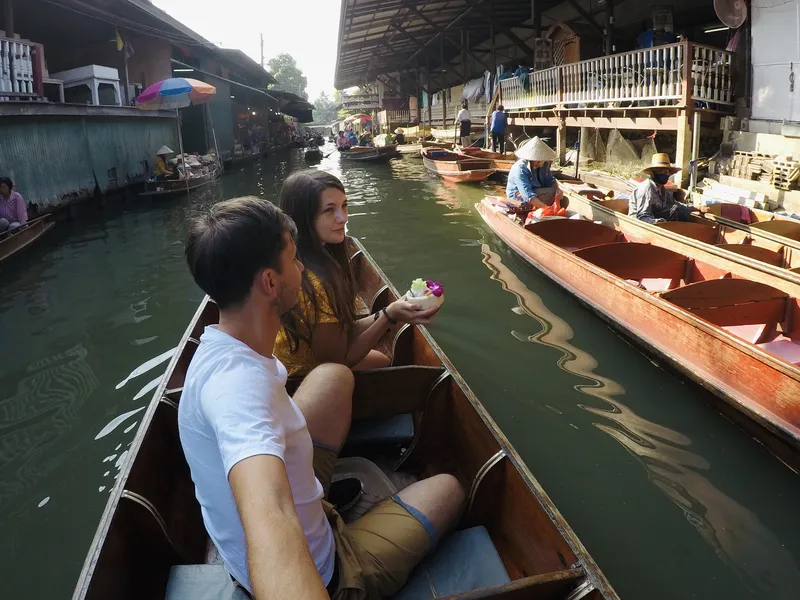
x=752 y=311
x=411 y=420
x=730 y=238
x=457 y=161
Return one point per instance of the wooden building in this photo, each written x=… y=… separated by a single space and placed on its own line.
x=553 y=64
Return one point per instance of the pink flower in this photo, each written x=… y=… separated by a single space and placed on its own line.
x=435 y=287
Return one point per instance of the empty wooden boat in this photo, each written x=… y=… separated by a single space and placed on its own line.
x=499 y=161
x=15 y=240
x=511 y=543
x=454 y=167
x=747 y=255
x=736 y=337
x=370 y=154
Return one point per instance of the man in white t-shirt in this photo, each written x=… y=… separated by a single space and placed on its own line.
x=464 y=122
x=261 y=461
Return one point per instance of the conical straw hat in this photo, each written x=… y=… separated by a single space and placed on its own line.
x=536 y=149
x=661 y=161
x=164 y=150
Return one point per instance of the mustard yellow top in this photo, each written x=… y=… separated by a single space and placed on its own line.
x=303 y=360
x=161 y=167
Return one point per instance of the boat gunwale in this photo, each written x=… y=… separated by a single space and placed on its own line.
x=117 y=491
x=594 y=573
x=765 y=417
x=30 y=232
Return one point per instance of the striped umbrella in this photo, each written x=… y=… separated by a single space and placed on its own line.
x=174 y=93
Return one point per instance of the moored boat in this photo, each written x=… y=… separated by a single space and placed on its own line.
x=511 y=543
x=454 y=167
x=747 y=255
x=313 y=153
x=15 y=240
x=499 y=161
x=370 y=153
x=736 y=337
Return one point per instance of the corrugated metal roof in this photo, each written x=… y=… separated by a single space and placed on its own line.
x=53 y=160
x=386 y=36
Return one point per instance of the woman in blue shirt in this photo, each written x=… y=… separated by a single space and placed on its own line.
x=530 y=180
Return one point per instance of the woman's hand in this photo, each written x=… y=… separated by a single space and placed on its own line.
x=408 y=312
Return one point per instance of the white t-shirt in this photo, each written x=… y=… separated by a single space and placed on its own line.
x=463 y=115
x=234 y=405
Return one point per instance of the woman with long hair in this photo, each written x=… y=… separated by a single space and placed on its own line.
x=323 y=326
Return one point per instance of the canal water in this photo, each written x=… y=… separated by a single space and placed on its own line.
x=671 y=499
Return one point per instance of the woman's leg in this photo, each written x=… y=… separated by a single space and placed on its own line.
x=4 y=223
x=373 y=360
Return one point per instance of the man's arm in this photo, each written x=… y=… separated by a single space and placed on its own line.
x=278 y=557
x=528 y=191
x=22 y=210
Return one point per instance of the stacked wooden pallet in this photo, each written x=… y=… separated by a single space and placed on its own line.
x=753 y=166
x=785 y=173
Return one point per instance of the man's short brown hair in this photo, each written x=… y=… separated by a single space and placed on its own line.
x=232 y=242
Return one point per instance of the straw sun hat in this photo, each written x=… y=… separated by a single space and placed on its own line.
x=164 y=150
x=399 y=130
x=661 y=161
x=536 y=149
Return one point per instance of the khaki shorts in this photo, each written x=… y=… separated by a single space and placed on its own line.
x=376 y=554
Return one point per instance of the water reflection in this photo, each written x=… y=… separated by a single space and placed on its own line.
x=736 y=533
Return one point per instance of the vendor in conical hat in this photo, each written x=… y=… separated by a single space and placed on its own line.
x=399 y=136
x=650 y=201
x=530 y=180
x=162 y=171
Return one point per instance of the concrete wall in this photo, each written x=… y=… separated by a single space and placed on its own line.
x=55 y=159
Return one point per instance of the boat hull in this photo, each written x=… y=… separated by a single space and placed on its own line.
x=177 y=187
x=501 y=162
x=379 y=154
x=761 y=387
x=456 y=168
x=11 y=243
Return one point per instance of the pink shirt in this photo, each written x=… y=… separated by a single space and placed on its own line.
x=13 y=208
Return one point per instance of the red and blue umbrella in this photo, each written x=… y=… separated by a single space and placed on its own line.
x=174 y=93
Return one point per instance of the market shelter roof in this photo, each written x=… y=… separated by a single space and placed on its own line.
x=293 y=105
x=386 y=36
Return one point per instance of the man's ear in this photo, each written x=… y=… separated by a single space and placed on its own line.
x=267 y=283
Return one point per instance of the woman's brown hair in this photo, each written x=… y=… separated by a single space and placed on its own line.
x=300 y=199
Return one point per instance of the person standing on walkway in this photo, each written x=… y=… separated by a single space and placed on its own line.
x=464 y=121
x=498 y=129
x=13 y=212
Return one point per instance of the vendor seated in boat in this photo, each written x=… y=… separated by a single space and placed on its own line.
x=399 y=136
x=530 y=181
x=651 y=202
x=262 y=462
x=366 y=139
x=324 y=326
x=13 y=212
x=163 y=172
x=352 y=138
x=342 y=143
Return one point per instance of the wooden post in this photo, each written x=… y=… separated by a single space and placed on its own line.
x=536 y=16
x=609 y=42
x=9 y=19
x=441 y=78
x=561 y=141
x=428 y=85
x=683 y=151
x=419 y=98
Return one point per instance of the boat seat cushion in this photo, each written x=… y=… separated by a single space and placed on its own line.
x=202 y=582
x=398 y=429
x=464 y=561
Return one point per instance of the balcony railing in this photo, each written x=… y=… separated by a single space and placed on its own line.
x=656 y=76
x=18 y=75
x=476 y=109
x=388 y=120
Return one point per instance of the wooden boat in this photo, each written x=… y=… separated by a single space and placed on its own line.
x=435 y=144
x=501 y=162
x=736 y=337
x=176 y=187
x=152 y=531
x=313 y=153
x=746 y=255
x=370 y=154
x=455 y=167
x=12 y=242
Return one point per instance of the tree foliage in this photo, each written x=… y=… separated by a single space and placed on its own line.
x=290 y=77
x=324 y=109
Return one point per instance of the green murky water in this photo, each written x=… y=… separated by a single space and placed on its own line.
x=671 y=499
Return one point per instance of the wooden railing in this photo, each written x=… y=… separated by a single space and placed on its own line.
x=390 y=119
x=657 y=76
x=476 y=109
x=19 y=78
